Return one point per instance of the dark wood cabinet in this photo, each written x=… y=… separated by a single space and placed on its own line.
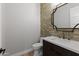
x=50 y=49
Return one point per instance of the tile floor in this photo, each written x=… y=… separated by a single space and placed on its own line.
x=28 y=54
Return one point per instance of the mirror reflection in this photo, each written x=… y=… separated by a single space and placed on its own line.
x=67 y=16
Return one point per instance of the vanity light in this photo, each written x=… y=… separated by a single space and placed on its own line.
x=55 y=5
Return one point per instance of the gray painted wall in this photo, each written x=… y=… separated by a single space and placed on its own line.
x=20 y=26
x=0 y=26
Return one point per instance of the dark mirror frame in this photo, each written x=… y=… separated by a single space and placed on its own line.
x=61 y=29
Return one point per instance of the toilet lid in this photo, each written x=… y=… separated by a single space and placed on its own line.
x=37 y=45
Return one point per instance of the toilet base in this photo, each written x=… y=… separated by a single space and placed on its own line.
x=37 y=49
x=38 y=52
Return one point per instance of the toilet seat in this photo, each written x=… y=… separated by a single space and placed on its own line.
x=38 y=48
x=37 y=45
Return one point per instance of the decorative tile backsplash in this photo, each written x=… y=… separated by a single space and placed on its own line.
x=46 y=27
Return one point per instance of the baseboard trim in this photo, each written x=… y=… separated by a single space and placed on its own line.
x=22 y=52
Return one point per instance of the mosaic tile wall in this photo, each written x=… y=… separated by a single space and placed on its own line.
x=46 y=27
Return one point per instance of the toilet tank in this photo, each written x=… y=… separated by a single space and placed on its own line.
x=41 y=39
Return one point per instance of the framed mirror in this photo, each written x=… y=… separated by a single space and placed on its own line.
x=66 y=16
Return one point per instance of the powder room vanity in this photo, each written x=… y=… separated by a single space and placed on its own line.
x=64 y=18
x=60 y=47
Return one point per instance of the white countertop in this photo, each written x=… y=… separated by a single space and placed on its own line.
x=65 y=43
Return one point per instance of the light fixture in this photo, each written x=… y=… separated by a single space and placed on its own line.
x=55 y=4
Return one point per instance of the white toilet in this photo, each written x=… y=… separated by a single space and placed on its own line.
x=38 y=48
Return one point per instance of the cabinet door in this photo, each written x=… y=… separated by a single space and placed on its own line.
x=50 y=49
